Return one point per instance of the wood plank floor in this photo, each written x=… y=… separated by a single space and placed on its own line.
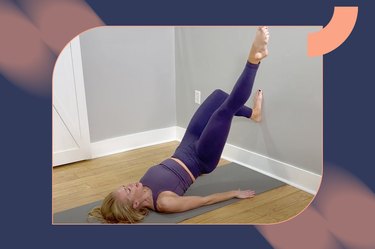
x=88 y=181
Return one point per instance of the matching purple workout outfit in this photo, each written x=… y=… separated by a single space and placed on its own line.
x=204 y=139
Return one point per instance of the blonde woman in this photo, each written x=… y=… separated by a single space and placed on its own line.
x=162 y=187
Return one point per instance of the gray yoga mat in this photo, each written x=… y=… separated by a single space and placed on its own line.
x=229 y=177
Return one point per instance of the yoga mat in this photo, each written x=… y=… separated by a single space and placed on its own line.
x=229 y=177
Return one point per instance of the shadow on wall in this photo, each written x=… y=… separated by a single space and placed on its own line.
x=269 y=143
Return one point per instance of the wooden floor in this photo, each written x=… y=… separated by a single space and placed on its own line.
x=88 y=181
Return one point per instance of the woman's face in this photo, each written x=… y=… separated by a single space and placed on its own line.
x=131 y=192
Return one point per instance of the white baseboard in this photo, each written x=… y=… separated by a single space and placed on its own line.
x=292 y=175
x=132 y=141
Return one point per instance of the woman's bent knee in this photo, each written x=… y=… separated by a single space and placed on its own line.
x=220 y=92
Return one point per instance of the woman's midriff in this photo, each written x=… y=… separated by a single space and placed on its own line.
x=184 y=167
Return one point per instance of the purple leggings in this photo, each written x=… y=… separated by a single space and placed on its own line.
x=207 y=132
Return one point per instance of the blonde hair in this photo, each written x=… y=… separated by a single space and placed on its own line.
x=113 y=210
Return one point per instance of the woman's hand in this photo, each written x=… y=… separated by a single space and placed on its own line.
x=243 y=194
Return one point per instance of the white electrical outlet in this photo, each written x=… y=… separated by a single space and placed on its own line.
x=197 y=97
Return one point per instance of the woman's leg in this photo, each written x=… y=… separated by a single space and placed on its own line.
x=200 y=118
x=211 y=143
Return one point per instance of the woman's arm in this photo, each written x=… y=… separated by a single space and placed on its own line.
x=173 y=203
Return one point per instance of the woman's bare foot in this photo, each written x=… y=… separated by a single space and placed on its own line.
x=257 y=109
x=259 y=49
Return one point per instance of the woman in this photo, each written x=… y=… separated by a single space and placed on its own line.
x=162 y=187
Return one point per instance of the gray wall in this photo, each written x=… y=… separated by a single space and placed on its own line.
x=129 y=79
x=291 y=131
x=131 y=85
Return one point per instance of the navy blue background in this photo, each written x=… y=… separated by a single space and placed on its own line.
x=26 y=132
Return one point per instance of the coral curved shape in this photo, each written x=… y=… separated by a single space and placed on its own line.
x=335 y=33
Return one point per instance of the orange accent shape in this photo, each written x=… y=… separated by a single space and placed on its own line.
x=335 y=33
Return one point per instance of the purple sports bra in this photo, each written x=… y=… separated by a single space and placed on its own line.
x=169 y=175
